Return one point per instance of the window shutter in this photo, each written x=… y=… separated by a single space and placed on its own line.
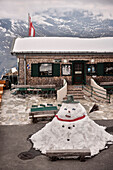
x=34 y=70
x=100 y=69
x=56 y=69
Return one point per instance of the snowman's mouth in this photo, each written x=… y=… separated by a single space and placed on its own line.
x=67 y=116
x=68 y=120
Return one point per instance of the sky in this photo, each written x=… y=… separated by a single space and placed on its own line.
x=19 y=9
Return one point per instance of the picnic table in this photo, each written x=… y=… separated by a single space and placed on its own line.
x=43 y=90
x=34 y=86
x=42 y=111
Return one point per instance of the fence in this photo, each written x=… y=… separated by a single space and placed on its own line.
x=96 y=92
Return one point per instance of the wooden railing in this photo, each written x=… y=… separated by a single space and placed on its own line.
x=96 y=92
x=61 y=93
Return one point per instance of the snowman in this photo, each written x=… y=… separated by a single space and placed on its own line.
x=71 y=128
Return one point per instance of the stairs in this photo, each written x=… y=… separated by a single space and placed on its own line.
x=76 y=91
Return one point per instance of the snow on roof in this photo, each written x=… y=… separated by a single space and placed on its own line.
x=62 y=45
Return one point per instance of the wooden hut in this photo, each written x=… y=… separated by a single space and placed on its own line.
x=48 y=60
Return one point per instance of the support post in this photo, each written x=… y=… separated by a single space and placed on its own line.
x=24 y=69
x=82 y=86
x=18 y=62
x=109 y=97
x=91 y=91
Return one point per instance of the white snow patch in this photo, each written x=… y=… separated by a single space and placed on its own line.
x=7 y=35
x=3 y=29
x=41 y=20
x=63 y=44
x=11 y=33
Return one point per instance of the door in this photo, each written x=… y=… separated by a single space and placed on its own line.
x=78 y=73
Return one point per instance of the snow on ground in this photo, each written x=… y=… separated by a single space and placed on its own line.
x=15 y=110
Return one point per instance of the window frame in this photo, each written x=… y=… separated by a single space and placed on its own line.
x=105 y=65
x=91 y=73
x=70 y=70
x=35 y=72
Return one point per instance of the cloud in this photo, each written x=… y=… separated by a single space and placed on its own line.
x=20 y=8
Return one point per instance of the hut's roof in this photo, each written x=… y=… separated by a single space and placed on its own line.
x=62 y=45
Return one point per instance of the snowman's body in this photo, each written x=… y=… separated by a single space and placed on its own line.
x=71 y=129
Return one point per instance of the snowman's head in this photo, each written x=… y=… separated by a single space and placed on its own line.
x=71 y=111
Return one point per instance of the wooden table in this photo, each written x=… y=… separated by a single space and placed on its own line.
x=44 y=90
x=33 y=90
x=34 y=86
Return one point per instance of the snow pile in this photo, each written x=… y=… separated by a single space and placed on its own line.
x=71 y=129
x=62 y=44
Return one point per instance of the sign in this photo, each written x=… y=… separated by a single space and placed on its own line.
x=78 y=72
x=28 y=67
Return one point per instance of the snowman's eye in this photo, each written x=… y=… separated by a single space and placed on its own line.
x=73 y=109
x=65 y=108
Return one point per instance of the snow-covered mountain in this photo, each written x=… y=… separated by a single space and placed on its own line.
x=9 y=29
x=52 y=22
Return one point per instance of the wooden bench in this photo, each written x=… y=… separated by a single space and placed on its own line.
x=68 y=153
x=41 y=112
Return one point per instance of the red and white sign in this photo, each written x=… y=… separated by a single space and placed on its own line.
x=31 y=28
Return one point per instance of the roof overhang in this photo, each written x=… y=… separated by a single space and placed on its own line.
x=62 y=45
x=61 y=53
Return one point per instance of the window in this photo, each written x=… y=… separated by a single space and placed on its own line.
x=45 y=69
x=108 y=68
x=91 y=69
x=66 y=69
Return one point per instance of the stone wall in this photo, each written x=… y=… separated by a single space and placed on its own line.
x=21 y=71
x=65 y=59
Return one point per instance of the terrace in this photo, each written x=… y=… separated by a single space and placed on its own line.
x=15 y=109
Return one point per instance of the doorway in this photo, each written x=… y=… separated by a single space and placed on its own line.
x=78 y=73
